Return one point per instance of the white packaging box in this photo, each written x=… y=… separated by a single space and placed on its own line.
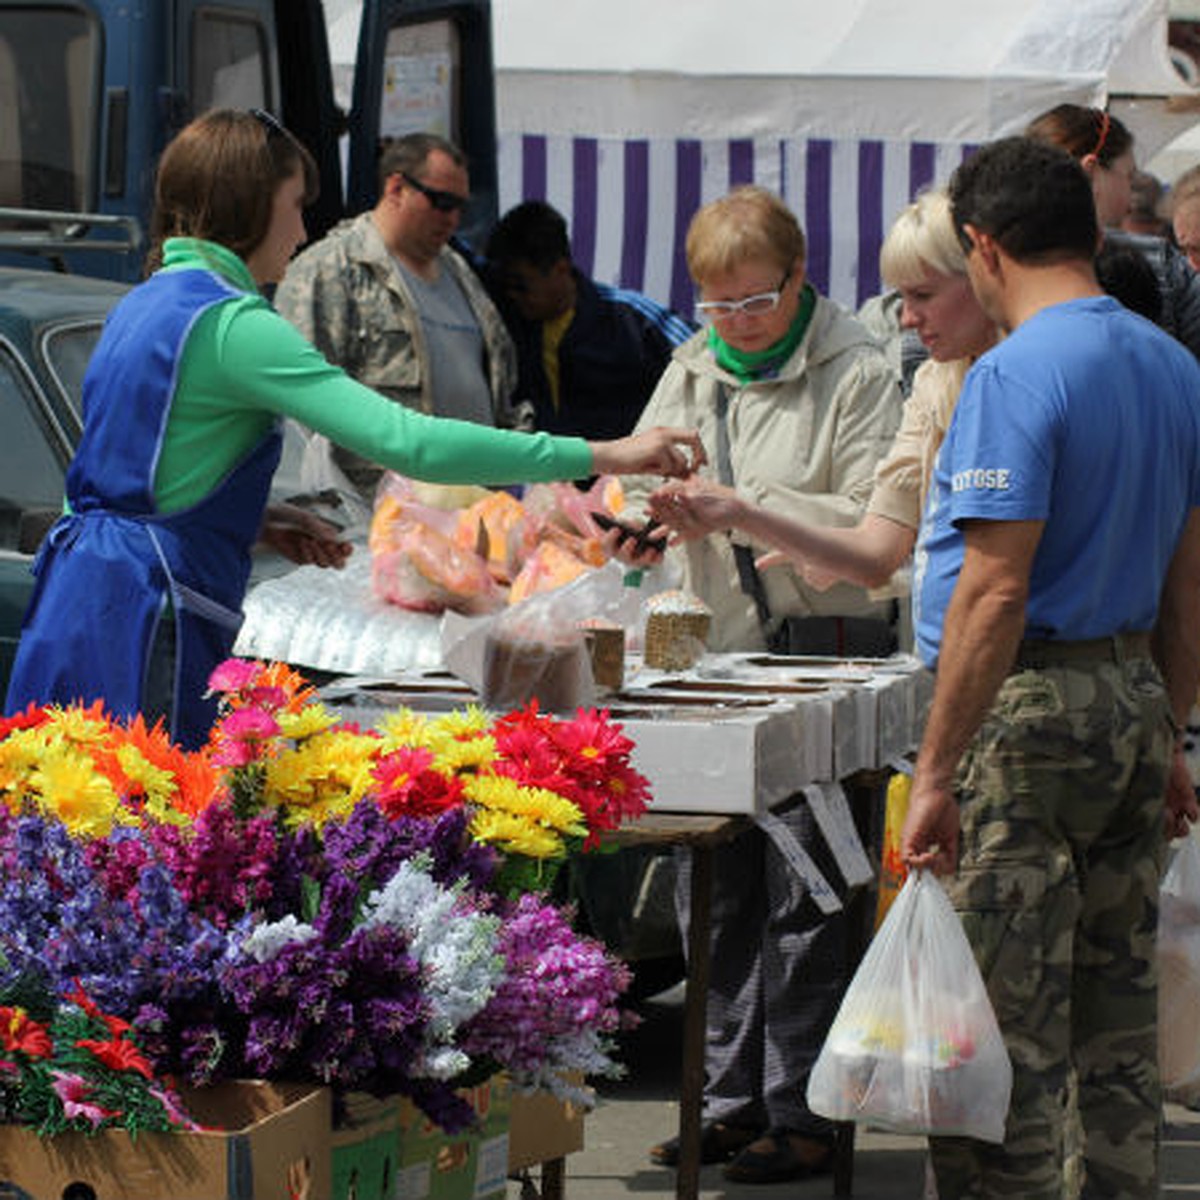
x=713 y=761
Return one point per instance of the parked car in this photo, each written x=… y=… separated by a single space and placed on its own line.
x=49 y=323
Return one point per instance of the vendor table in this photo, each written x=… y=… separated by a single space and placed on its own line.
x=722 y=745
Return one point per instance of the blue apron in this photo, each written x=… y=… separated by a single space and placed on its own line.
x=114 y=568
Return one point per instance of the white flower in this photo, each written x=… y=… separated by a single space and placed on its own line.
x=456 y=947
x=267 y=940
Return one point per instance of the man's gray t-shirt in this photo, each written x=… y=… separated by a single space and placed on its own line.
x=457 y=378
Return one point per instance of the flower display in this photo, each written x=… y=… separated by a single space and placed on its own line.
x=302 y=899
x=73 y=1066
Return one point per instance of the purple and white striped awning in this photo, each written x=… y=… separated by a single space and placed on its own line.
x=628 y=202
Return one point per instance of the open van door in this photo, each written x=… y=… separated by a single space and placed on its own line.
x=425 y=66
x=91 y=92
x=270 y=54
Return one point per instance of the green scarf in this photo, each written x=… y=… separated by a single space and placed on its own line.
x=748 y=365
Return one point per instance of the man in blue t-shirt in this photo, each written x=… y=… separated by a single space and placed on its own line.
x=1057 y=595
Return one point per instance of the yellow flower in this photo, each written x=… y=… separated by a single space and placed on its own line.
x=312 y=718
x=461 y=741
x=79 y=725
x=453 y=757
x=468 y=722
x=72 y=790
x=498 y=792
x=23 y=750
x=516 y=834
x=159 y=785
x=323 y=778
x=403 y=728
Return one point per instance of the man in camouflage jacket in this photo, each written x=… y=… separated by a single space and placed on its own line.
x=386 y=298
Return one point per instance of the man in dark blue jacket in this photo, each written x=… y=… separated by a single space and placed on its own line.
x=589 y=355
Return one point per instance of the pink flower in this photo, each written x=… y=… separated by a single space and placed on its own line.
x=239 y=736
x=233 y=675
x=73 y=1091
x=270 y=698
x=175 y=1114
x=250 y=725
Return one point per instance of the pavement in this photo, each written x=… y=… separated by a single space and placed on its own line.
x=636 y=1112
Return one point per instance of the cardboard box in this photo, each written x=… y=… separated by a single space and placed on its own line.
x=541 y=1129
x=365 y=1149
x=267 y=1140
x=435 y=1165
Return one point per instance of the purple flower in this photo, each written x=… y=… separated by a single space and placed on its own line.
x=556 y=1008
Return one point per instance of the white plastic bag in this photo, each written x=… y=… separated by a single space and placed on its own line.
x=1179 y=966
x=915 y=1047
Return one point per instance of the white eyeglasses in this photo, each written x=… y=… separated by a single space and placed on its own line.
x=752 y=306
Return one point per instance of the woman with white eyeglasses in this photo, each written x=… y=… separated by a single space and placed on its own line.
x=795 y=403
x=924 y=261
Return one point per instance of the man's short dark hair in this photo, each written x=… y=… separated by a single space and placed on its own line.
x=532 y=232
x=1034 y=200
x=406 y=156
x=1126 y=275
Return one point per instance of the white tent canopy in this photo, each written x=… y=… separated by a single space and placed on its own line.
x=628 y=115
x=961 y=70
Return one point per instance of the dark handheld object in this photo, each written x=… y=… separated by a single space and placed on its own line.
x=642 y=540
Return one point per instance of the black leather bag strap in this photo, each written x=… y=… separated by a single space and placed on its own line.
x=748 y=576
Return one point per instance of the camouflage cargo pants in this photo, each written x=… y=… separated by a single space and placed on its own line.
x=1062 y=840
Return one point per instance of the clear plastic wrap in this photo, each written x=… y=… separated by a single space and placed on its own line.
x=537 y=648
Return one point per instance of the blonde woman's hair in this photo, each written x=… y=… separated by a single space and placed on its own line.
x=750 y=224
x=921 y=238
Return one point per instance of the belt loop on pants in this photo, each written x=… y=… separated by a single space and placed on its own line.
x=1035 y=654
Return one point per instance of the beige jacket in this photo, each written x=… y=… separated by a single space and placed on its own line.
x=805 y=443
x=902 y=477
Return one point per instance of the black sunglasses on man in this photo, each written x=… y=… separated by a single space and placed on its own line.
x=442 y=201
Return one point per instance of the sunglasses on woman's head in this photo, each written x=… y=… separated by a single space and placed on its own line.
x=268 y=121
x=439 y=200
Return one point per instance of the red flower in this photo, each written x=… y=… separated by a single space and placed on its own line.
x=19 y=1033
x=81 y=999
x=410 y=786
x=30 y=718
x=592 y=743
x=118 y=1054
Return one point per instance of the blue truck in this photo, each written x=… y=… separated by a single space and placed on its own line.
x=92 y=90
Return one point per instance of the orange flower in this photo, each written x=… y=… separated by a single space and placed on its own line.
x=298 y=690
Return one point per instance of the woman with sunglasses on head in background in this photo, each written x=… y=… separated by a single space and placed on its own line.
x=1103 y=146
x=389 y=299
x=795 y=403
x=140 y=583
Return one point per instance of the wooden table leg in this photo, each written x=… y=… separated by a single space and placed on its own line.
x=691 y=1091
x=554 y=1177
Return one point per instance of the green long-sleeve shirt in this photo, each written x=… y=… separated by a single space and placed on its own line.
x=243 y=365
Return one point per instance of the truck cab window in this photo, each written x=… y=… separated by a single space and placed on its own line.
x=229 y=62
x=49 y=63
